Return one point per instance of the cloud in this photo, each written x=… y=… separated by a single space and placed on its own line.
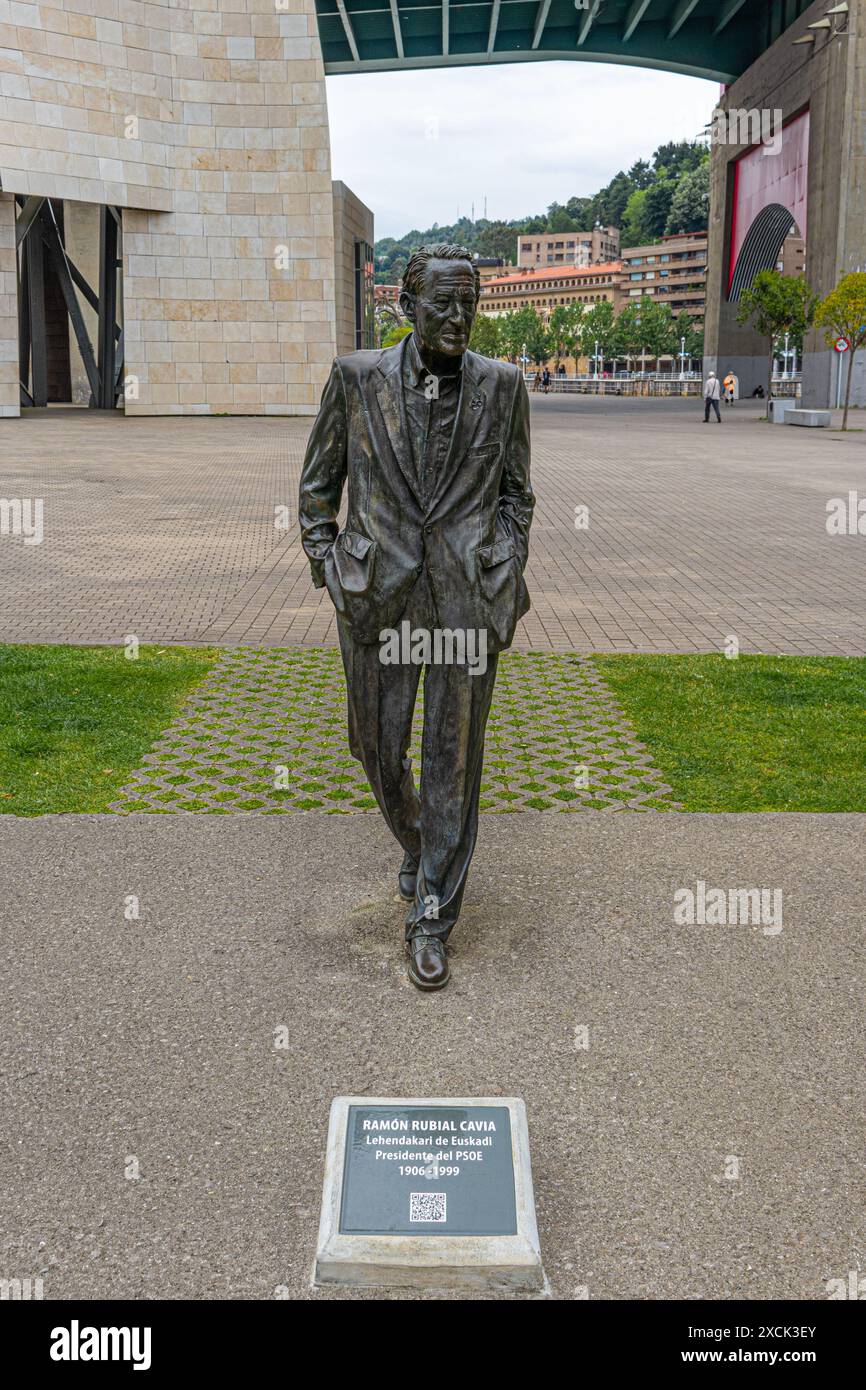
x=420 y=146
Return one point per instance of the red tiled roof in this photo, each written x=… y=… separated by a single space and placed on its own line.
x=528 y=277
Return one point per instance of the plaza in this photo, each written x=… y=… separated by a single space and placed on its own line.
x=184 y=531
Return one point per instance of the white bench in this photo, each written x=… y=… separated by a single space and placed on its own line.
x=816 y=419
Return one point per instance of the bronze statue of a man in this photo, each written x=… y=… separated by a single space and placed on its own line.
x=428 y=570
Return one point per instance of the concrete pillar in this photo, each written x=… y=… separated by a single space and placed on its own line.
x=81 y=239
x=10 y=394
x=829 y=79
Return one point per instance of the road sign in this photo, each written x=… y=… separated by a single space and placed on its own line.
x=841 y=345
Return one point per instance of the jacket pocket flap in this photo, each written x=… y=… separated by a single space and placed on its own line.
x=355 y=544
x=495 y=554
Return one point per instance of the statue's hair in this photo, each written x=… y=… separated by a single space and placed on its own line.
x=413 y=276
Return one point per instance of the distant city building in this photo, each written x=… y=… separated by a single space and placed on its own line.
x=792 y=257
x=386 y=294
x=543 y=290
x=672 y=271
x=537 y=250
x=489 y=267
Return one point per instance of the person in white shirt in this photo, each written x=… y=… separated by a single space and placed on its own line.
x=712 y=396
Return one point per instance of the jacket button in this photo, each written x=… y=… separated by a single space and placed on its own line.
x=428 y=530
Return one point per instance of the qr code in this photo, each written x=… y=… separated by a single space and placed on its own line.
x=427 y=1206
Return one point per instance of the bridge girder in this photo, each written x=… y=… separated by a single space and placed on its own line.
x=701 y=38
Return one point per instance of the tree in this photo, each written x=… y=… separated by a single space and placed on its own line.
x=559 y=220
x=627 y=340
x=778 y=304
x=564 y=329
x=657 y=206
x=677 y=157
x=523 y=328
x=598 y=326
x=686 y=328
x=486 y=336
x=633 y=228
x=843 y=315
x=658 y=329
x=690 y=203
x=641 y=174
x=396 y=334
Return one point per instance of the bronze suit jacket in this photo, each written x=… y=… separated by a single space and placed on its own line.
x=471 y=537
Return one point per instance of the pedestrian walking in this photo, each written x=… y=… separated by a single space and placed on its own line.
x=712 y=396
x=545 y=380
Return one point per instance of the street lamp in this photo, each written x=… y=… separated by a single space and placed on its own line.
x=682 y=358
x=596 y=359
x=786 y=373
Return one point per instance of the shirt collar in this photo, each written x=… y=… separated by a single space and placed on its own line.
x=414 y=368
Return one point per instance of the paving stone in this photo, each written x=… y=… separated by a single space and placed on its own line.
x=166 y=529
x=265 y=733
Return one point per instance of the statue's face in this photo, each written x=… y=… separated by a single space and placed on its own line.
x=444 y=311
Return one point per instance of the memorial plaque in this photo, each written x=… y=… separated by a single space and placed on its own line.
x=428 y=1192
x=428 y=1170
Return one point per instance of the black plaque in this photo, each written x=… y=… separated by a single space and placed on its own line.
x=428 y=1170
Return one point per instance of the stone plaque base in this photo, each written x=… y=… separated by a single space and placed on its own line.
x=366 y=1235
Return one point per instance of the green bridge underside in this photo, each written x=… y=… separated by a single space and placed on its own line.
x=717 y=39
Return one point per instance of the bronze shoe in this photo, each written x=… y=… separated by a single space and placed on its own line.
x=428 y=962
x=407 y=878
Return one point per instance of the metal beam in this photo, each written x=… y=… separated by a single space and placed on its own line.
x=727 y=13
x=680 y=15
x=106 y=365
x=118 y=353
x=398 y=32
x=445 y=18
x=586 y=22
x=636 y=14
x=540 y=21
x=27 y=216
x=51 y=233
x=494 y=25
x=350 y=33
x=36 y=304
x=24 y=329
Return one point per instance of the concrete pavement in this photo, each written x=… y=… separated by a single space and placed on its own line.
x=148 y=1046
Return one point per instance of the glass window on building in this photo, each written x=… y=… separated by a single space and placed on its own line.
x=365 y=321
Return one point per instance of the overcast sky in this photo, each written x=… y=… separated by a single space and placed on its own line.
x=419 y=146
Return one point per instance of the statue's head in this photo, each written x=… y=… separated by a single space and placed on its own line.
x=439 y=296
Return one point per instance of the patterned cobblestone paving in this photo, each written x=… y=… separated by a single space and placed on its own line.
x=173 y=530
x=266 y=733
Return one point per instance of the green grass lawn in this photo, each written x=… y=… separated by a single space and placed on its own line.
x=759 y=733
x=74 y=721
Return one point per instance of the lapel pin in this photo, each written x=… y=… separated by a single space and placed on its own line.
x=477 y=401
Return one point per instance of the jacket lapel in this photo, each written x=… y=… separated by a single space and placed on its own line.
x=389 y=395
x=471 y=405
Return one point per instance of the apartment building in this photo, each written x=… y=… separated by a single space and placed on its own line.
x=538 y=250
x=543 y=290
x=672 y=271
